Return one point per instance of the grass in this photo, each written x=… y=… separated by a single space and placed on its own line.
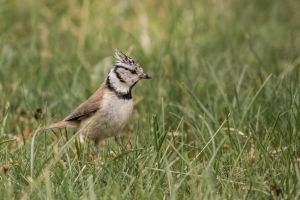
x=220 y=119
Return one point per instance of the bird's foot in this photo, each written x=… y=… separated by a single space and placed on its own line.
x=119 y=142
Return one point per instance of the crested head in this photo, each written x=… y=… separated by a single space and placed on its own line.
x=123 y=59
x=125 y=74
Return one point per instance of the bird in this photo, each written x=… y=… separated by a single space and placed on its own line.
x=106 y=112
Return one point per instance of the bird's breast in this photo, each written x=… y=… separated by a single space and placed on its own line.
x=116 y=110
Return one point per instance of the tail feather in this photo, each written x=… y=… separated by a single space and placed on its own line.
x=60 y=124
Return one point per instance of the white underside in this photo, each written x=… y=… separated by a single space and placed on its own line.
x=107 y=121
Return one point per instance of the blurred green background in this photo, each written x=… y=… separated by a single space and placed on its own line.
x=219 y=119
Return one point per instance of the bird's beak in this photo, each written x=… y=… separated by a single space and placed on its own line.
x=145 y=76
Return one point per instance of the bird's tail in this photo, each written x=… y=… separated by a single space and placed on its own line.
x=60 y=124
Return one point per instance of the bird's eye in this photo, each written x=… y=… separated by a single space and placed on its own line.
x=134 y=71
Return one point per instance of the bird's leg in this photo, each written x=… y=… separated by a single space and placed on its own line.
x=82 y=138
x=119 y=141
x=97 y=142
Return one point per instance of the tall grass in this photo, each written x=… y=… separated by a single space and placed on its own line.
x=219 y=120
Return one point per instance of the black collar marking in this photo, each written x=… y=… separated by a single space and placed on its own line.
x=123 y=95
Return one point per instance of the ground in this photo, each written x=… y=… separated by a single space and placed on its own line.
x=219 y=120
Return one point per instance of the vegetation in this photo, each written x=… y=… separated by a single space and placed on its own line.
x=219 y=120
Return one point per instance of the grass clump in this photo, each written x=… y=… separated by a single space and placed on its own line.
x=219 y=120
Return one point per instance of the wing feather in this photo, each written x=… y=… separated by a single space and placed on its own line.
x=90 y=106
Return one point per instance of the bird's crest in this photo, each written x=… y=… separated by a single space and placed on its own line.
x=122 y=58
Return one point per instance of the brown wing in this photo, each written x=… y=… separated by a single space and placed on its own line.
x=90 y=106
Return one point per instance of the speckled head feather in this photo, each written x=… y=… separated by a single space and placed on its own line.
x=125 y=74
x=124 y=60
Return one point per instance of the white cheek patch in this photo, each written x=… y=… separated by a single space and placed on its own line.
x=126 y=77
x=117 y=84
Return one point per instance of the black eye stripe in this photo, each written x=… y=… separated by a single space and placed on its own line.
x=131 y=70
x=119 y=76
